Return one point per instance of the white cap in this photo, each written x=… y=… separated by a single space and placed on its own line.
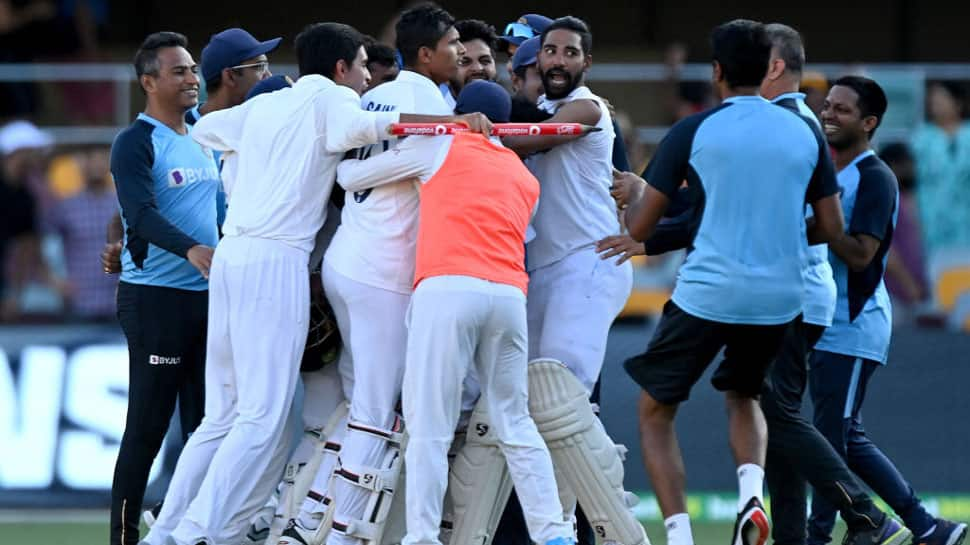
x=18 y=135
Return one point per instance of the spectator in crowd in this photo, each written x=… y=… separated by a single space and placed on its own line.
x=80 y=221
x=685 y=98
x=22 y=147
x=942 y=150
x=906 y=267
x=815 y=86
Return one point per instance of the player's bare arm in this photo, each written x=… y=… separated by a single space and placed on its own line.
x=827 y=223
x=857 y=250
x=586 y=112
x=647 y=206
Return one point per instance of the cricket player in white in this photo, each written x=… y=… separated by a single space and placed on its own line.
x=289 y=144
x=574 y=296
x=368 y=271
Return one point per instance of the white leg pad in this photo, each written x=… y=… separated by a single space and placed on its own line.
x=584 y=456
x=479 y=484
x=379 y=482
x=299 y=480
x=395 y=527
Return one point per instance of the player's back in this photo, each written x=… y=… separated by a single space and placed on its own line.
x=284 y=169
x=754 y=162
x=820 y=291
x=384 y=219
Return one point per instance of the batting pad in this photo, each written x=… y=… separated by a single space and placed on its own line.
x=298 y=481
x=479 y=485
x=378 y=482
x=584 y=456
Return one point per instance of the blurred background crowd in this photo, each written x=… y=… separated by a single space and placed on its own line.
x=56 y=194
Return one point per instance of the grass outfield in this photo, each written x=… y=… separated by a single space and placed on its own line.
x=81 y=533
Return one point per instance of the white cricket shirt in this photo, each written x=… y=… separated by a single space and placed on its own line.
x=289 y=144
x=575 y=207
x=378 y=231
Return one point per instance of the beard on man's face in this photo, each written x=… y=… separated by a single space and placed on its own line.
x=559 y=82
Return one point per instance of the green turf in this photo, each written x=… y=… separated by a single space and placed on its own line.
x=78 y=533
x=97 y=534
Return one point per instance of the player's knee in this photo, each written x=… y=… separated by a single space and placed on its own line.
x=653 y=412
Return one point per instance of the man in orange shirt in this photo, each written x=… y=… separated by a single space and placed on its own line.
x=468 y=309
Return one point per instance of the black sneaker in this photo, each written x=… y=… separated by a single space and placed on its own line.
x=752 y=526
x=946 y=533
x=890 y=532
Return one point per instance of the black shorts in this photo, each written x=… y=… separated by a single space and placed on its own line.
x=684 y=345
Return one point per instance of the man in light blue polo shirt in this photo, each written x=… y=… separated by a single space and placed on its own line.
x=857 y=342
x=166 y=185
x=741 y=285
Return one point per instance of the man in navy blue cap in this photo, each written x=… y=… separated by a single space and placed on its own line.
x=526 y=81
x=525 y=27
x=232 y=63
x=516 y=33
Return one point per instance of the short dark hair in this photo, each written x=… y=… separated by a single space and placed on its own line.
x=476 y=29
x=212 y=85
x=321 y=45
x=421 y=26
x=575 y=24
x=378 y=52
x=146 y=58
x=872 y=99
x=742 y=48
x=789 y=44
x=895 y=152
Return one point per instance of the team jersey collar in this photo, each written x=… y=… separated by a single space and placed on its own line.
x=149 y=119
x=744 y=98
x=418 y=79
x=551 y=105
x=860 y=157
x=313 y=81
x=194 y=113
x=783 y=96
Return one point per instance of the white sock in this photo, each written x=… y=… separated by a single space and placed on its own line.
x=751 y=481
x=678 y=529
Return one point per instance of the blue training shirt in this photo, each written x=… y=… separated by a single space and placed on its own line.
x=166 y=184
x=863 y=314
x=757 y=165
x=820 y=290
x=191 y=117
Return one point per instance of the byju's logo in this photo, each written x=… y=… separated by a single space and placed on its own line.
x=163 y=360
x=183 y=176
x=176 y=178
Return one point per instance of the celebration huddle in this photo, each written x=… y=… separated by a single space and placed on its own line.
x=380 y=294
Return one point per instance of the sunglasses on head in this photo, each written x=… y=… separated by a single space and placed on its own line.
x=519 y=30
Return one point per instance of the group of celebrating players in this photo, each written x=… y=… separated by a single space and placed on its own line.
x=473 y=281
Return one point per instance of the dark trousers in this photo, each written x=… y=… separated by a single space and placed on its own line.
x=166 y=332
x=838 y=387
x=797 y=452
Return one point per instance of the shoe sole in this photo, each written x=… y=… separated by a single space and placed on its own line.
x=901 y=537
x=957 y=537
x=754 y=530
